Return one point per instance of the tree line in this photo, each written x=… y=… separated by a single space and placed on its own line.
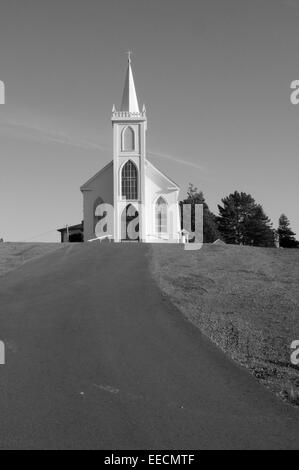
x=241 y=221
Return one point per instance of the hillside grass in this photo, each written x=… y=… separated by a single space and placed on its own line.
x=13 y=255
x=245 y=299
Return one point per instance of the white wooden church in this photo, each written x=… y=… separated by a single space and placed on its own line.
x=131 y=183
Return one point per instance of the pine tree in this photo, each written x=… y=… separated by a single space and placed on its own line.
x=210 y=231
x=258 y=229
x=243 y=222
x=286 y=235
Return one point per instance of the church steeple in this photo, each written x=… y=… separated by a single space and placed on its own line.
x=129 y=153
x=129 y=99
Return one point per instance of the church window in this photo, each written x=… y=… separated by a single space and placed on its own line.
x=161 y=216
x=128 y=139
x=129 y=181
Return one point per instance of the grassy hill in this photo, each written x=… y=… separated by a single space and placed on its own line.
x=13 y=255
x=244 y=299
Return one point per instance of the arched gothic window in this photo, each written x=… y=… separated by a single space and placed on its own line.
x=128 y=140
x=161 y=215
x=129 y=181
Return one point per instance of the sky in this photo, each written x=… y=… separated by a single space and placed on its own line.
x=214 y=75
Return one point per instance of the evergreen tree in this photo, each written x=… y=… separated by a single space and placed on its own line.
x=243 y=222
x=210 y=231
x=258 y=229
x=286 y=235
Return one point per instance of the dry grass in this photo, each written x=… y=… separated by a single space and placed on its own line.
x=244 y=299
x=13 y=255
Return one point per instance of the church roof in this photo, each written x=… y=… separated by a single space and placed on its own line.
x=84 y=186
x=164 y=175
x=129 y=99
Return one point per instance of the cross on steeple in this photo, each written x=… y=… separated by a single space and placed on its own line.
x=129 y=56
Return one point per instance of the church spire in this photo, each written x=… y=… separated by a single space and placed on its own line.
x=129 y=100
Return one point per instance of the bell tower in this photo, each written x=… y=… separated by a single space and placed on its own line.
x=129 y=126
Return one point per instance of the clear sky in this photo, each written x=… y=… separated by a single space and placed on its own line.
x=215 y=77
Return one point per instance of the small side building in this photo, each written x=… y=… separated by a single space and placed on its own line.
x=72 y=233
